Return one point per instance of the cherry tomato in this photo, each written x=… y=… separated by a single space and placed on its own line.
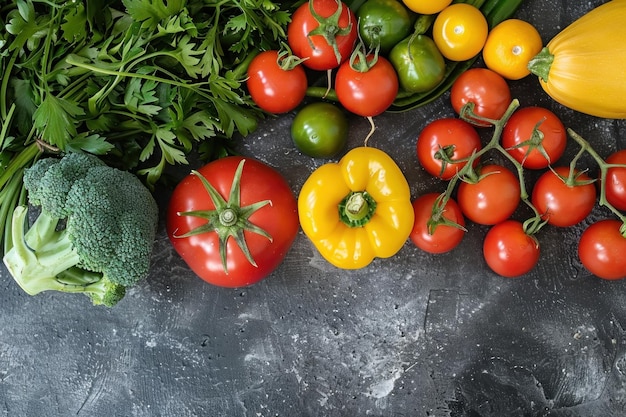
x=320 y=130
x=384 y=23
x=427 y=6
x=493 y=198
x=601 y=249
x=615 y=187
x=509 y=251
x=252 y=194
x=531 y=134
x=488 y=90
x=318 y=50
x=444 y=237
x=444 y=138
x=460 y=31
x=367 y=92
x=418 y=62
x=272 y=88
x=563 y=204
x=510 y=45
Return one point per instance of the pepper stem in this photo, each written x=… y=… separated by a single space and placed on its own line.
x=357 y=208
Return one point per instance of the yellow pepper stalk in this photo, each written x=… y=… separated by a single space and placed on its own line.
x=357 y=209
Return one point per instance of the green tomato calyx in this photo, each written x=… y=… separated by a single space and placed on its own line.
x=329 y=28
x=229 y=218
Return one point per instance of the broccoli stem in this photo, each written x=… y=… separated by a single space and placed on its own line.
x=40 y=254
x=43 y=259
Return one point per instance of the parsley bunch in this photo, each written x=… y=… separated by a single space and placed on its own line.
x=140 y=83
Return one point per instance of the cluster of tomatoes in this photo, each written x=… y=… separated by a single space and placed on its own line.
x=487 y=193
x=384 y=49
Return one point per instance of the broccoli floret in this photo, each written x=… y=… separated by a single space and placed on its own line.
x=94 y=233
x=50 y=180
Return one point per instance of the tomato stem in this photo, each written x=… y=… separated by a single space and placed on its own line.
x=585 y=147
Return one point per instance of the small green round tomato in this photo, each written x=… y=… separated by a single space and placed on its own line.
x=384 y=23
x=320 y=130
x=419 y=64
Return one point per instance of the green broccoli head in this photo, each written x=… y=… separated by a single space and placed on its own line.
x=111 y=222
x=50 y=180
x=94 y=234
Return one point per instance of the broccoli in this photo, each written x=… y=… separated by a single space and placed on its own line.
x=94 y=232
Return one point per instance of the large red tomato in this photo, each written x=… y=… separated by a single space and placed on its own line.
x=322 y=33
x=229 y=205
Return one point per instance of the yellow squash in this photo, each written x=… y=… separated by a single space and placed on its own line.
x=584 y=66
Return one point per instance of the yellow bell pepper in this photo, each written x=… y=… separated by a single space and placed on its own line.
x=357 y=209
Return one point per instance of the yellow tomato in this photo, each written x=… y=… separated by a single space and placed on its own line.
x=427 y=6
x=510 y=46
x=460 y=31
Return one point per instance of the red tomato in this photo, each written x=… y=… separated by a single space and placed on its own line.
x=615 y=187
x=509 y=250
x=444 y=237
x=316 y=48
x=487 y=89
x=448 y=137
x=196 y=238
x=367 y=93
x=530 y=146
x=272 y=88
x=562 y=204
x=601 y=249
x=493 y=199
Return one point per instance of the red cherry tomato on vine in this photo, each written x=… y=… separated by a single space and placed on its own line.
x=318 y=50
x=487 y=89
x=444 y=237
x=601 y=249
x=272 y=88
x=615 y=187
x=562 y=204
x=444 y=138
x=530 y=146
x=367 y=93
x=493 y=199
x=509 y=251
x=252 y=193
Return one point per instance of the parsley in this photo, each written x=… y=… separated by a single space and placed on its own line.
x=140 y=83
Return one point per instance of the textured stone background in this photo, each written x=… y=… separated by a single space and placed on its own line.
x=415 y=335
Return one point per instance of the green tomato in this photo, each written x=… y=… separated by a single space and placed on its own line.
x=384 y=21
x=419 y=64
x=320 y=130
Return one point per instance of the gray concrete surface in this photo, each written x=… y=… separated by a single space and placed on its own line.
x=413 y=336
